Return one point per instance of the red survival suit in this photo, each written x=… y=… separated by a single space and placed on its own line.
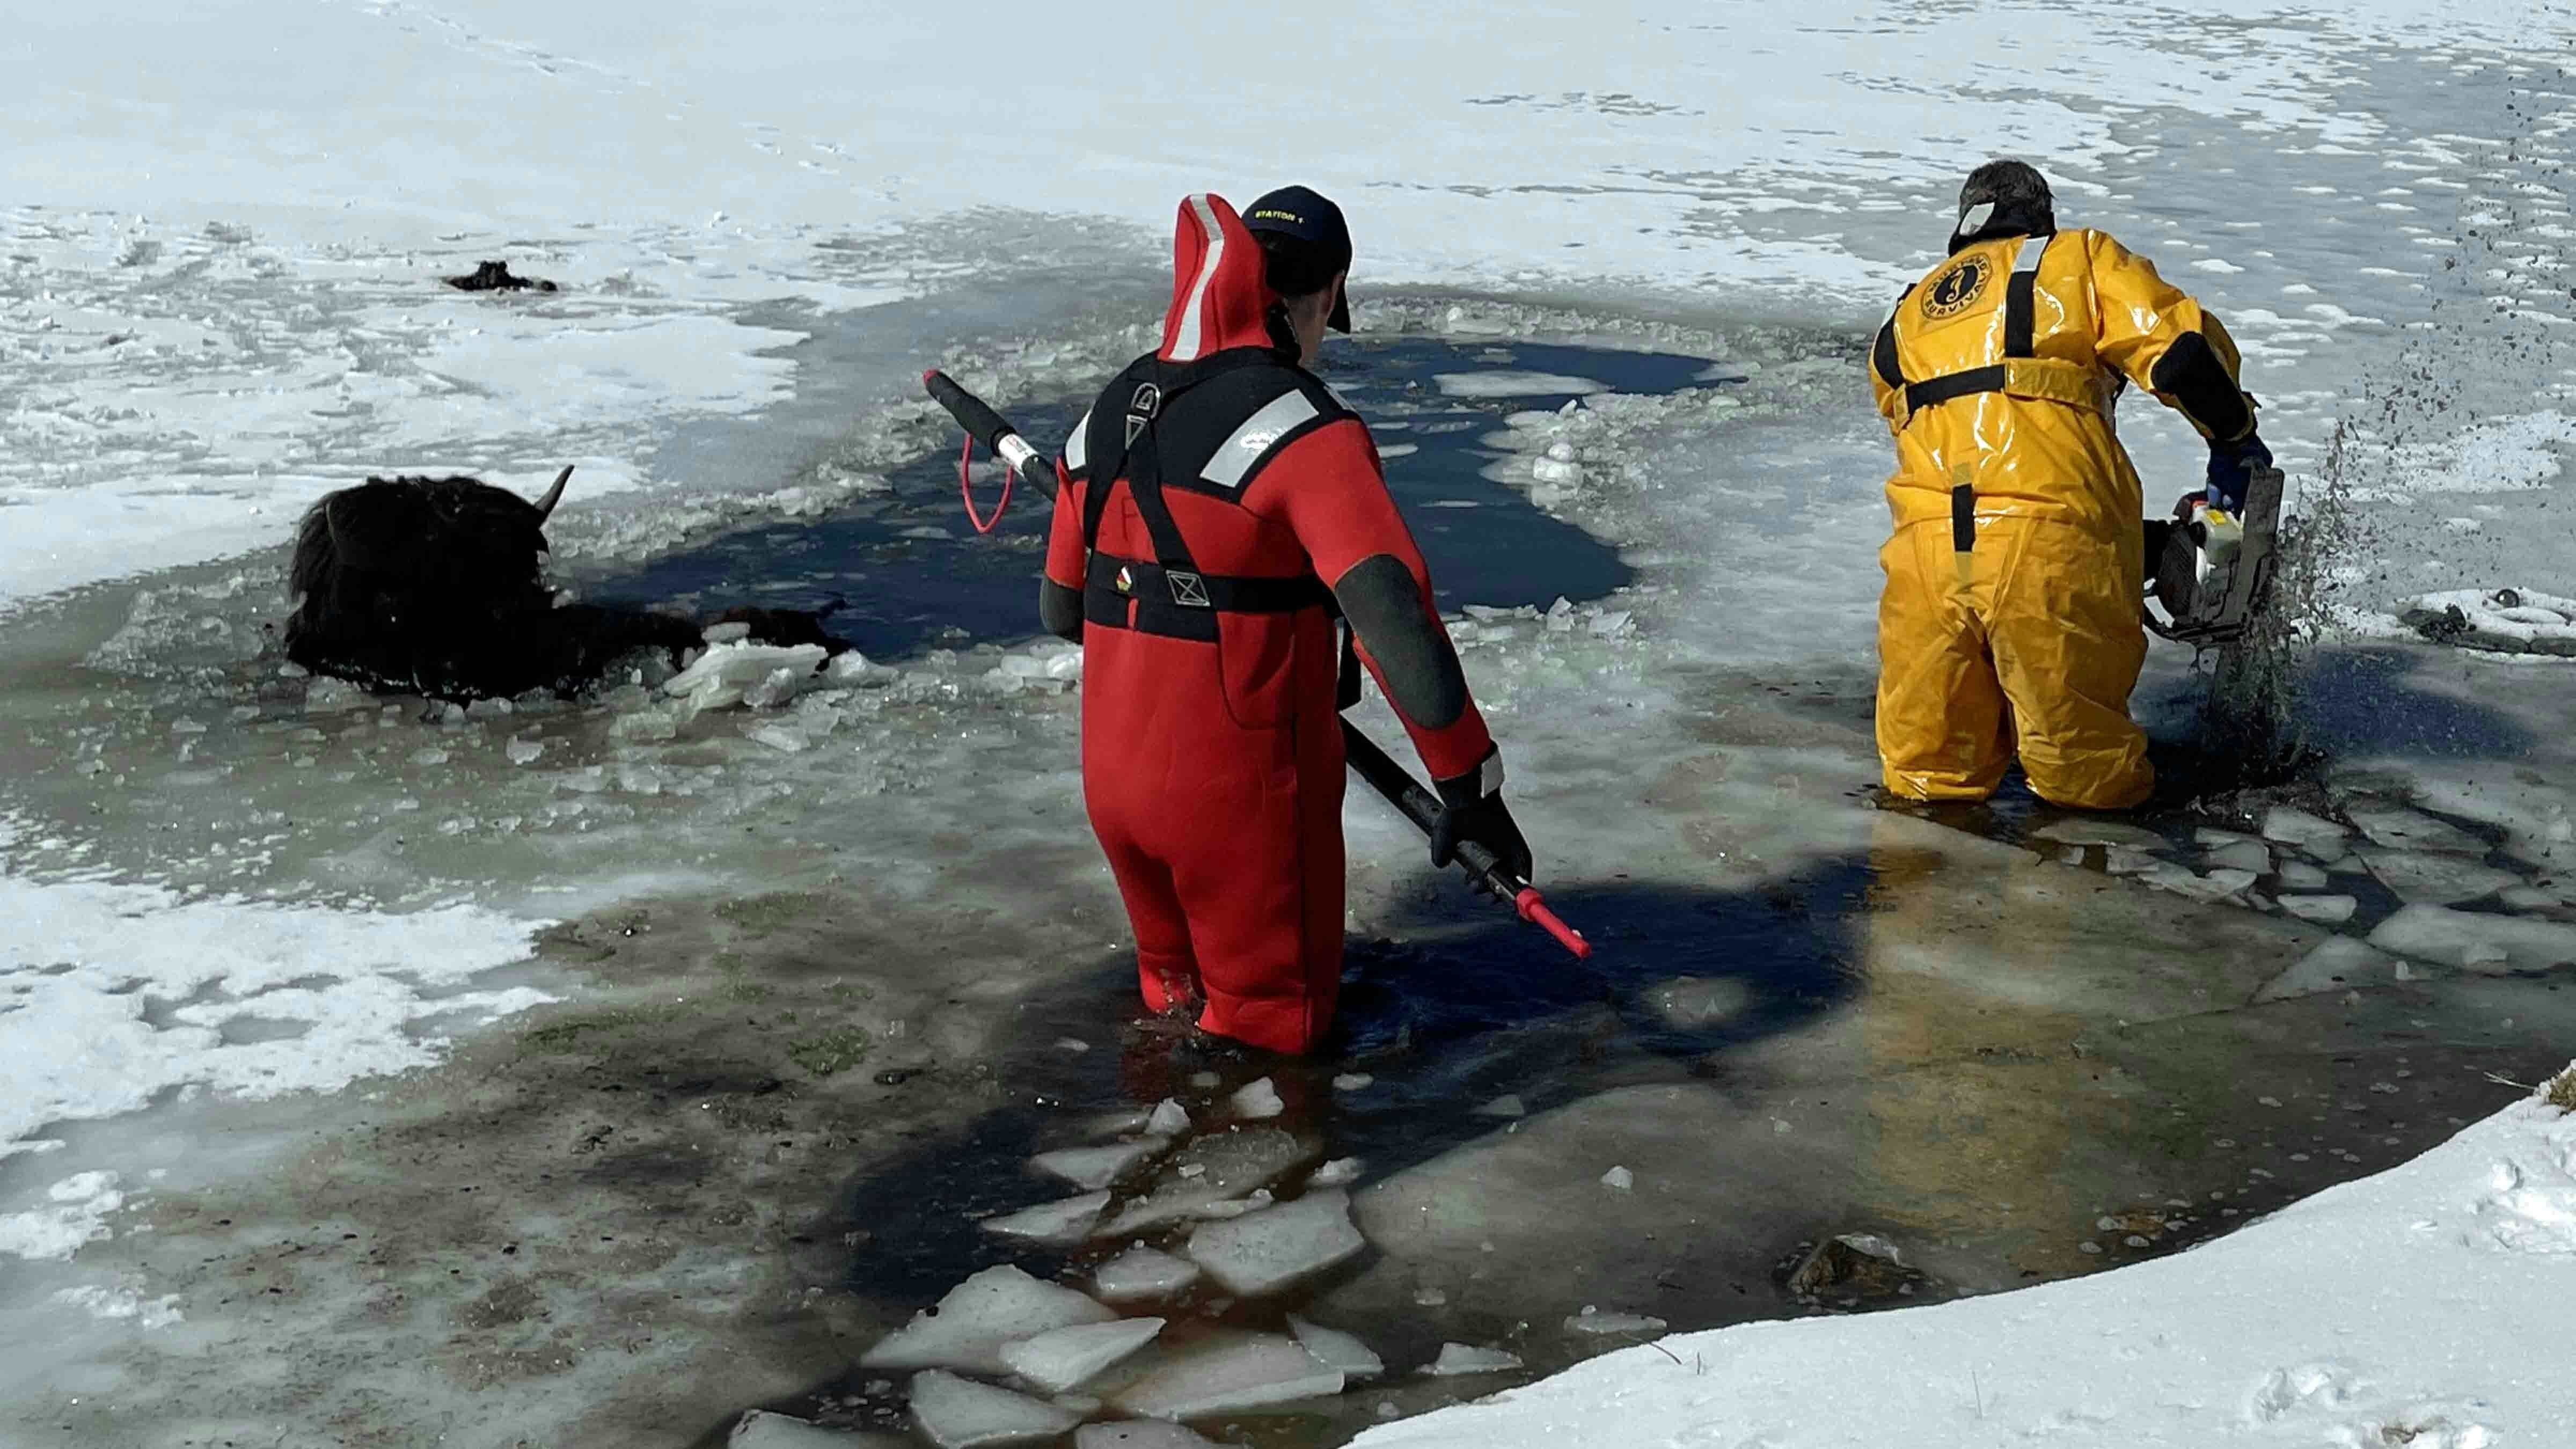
x=1209 y=498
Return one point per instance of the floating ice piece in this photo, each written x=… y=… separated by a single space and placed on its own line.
x=1267 y=1251
x=1336 y=1349
x=1340 y=1172
x=2101 y=832
x=1062 y=1358
x=1257 y=1100
x=1226 y=1372
x=1093 y=1168
x=2209 y=837
x=1557 y=472
x=2338 y=963
x=1142 y=1273
x=785 y=739
x=1505 y=383
x=1507 y=1105
x=1593 y=1320
x=2475 y=940
x=968 y=1328
x=850 y=667
x=1058 y=1223
x=2402 y=829
x=733 y=633
x=1354 y=1081
x=762 y=1430
x=1236 y=1207
x=2245 y=855
x=2297 y=827
x=957 y=1413
x=2324 y=910
x=2510 y=621
x=2435 y=879
x=1169 y=1118
x=1213 y=1168
x=1619 y=1178
x=727 y=674
x=2299 y=875
x=1612 y=623
x=1690 y=1002
x=1140 y=1434
x=523 y=752
x=1460 y=1358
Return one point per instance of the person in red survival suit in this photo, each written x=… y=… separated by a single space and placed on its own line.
x=1218 y=508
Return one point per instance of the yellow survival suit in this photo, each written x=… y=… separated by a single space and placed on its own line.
x=2010 y=618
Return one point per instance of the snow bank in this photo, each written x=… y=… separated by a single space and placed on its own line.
x=2432 y=1304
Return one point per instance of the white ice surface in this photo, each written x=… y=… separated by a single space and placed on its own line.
x=968 y=1328
x=957 y=1413
x=1266 y=1251
x=1061 y=1358
x=2432 y=1303
x=113 y=994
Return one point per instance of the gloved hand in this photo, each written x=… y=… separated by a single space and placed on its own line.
x=2231 y=470
x=1472 y=812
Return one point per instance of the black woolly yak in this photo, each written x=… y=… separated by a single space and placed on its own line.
x=432 y=586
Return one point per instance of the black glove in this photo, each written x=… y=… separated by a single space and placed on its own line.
x=1472 y=809
x=2231 y=470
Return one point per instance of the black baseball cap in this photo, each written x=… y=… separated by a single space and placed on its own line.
x=1307 y=242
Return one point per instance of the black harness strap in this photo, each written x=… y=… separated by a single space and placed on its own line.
x=1989 y=378
x=1173 y=598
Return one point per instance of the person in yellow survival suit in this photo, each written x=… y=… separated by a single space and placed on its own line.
x=2011 y=619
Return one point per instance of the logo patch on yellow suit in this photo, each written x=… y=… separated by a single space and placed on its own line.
x=1957 y=289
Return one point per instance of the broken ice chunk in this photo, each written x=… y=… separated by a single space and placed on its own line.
x=1140 y=1434
x=1459 y=1358
x=2403 y=829
x=2325 y=910
x=1093 y=1168
x=1214 y=1168
x=1226 y=1372
x=2298 y=875
x=1593 y=1320
x=1340 y=1172
x=1058 y=1360
x=733 y=633
x=957 y=1413
x=1619 y=1178
x=2476 y=940
x=2247 y=855
x=523 y=752
x=1258 y=1100
x=761 y=1430
x=1354 y=1081
x=2434 y=878
x=1336 y=1349
x=968 y=1328
x=1266 y=1252
x=2338 y=963
x=1169 y=1118
x=1506 y=1105
x=2100 y=832
x=727 y=673
x=1057 y=1223
x=2297 y=827
x=1142 y=1273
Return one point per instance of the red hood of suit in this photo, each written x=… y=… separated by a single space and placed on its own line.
x=1220 y=298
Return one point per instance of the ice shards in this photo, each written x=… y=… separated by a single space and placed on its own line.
x=1211 y=1169
x=968 y=1328
x=761 y=1430
x=1093 y=1168
x=1258 y=1100
x=1225 y=1372
x=956 y=1413
x=1055 y=1223
x=729 y=674
x=1266 y=1251
x=1460 y=1358
x=1336 y=1349
x=1142 y=1273
x=1058 y=1360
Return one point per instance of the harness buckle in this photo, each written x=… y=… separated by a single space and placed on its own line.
x=1188 y=589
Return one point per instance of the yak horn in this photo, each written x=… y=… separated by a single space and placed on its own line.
x=554 y=495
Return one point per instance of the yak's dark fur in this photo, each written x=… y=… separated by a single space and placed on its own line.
x=497 y=277
x=432 y=586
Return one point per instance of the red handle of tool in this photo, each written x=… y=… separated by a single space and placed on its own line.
x=1535 y=911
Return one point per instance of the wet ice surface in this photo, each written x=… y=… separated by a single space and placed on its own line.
x=901 y=570
x=2003 y=1061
